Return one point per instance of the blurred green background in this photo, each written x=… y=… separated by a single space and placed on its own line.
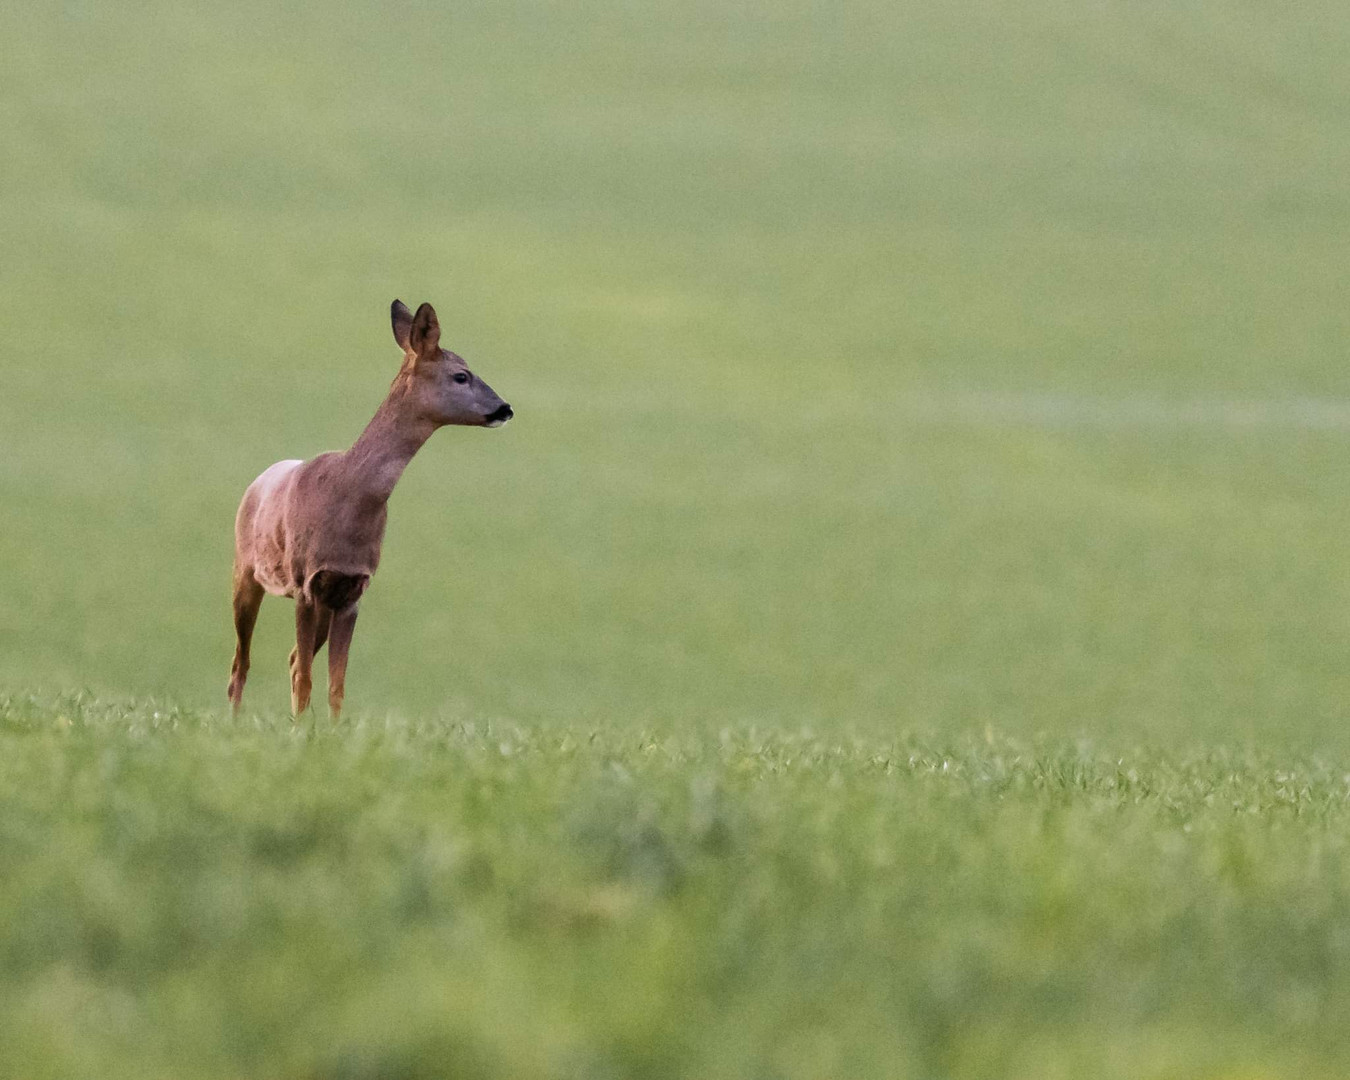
x=890 y=364
x=903 y=632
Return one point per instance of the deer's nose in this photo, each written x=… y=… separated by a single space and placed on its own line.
x=500 y=415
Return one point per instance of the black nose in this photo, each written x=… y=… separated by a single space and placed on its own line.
x=500 y=414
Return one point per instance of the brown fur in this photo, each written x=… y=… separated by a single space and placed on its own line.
x=312 y=530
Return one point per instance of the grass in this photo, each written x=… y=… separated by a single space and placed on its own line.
x=896 y=385
x=408 y=898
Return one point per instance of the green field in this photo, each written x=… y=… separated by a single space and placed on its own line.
x=903 y=633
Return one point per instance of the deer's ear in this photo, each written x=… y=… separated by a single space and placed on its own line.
x=425 y=335
x=402 y=320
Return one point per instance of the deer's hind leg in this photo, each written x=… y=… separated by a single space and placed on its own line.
x=248 y=595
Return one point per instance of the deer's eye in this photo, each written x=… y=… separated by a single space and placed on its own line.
x=461 y=376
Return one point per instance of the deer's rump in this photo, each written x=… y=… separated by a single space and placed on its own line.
x=260 y=530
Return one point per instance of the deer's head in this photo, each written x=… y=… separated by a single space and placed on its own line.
x=443 y=388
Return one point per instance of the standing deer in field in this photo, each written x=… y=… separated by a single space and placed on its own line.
x=312 y=530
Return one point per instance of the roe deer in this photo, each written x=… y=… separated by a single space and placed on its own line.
x=312 y=530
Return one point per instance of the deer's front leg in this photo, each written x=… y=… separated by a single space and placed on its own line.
x=302 y=656
x=344 y=622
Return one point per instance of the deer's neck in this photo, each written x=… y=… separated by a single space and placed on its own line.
x=377 y=459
